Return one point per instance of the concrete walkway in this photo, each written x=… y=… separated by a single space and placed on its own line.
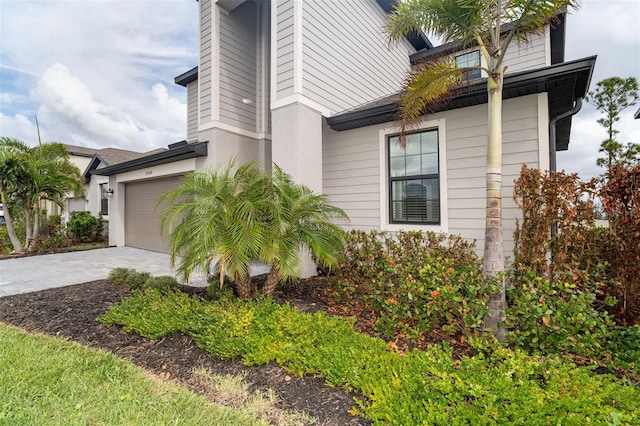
x=35 y=273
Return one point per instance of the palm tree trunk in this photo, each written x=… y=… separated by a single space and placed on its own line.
x=243 y=286
x=27 y=223
x=272 y=281
x=493 y=263
x=15 y=241
x=36 y=225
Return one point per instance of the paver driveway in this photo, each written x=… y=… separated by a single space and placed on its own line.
x=34 y=273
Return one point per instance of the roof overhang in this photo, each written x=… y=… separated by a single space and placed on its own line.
x=187 y=77
x=563 y=82
x=637 y=114
x=176 y=152
x=418 y=39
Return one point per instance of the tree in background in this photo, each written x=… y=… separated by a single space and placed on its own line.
x=612 y=96
x=491 y=25
x=32 y=175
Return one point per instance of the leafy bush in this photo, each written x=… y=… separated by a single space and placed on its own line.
x=162 y=283
x=415 y=281
x=51 y=242
x=119 y=276
x=128 y=277
x=83 y=227
x=497 y=386
x=623 y=345
x=555 y=316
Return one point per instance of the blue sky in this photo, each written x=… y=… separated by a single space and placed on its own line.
x=100 y=72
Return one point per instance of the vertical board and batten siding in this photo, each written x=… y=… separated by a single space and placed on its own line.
x=352 y=167
x=238 y=66
x=531 y=54
x=284 y=60
x=346 y=57
x=204 y=68
x=192 y=111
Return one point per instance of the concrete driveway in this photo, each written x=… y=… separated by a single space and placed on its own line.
x=35 y=273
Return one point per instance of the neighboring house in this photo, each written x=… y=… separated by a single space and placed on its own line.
x=97 y=194
x=312 y=86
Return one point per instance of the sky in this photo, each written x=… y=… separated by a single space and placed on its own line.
x=100 y=73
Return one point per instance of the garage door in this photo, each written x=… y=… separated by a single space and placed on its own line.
x=142 y=219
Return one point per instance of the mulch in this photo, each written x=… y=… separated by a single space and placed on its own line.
x=72 y=313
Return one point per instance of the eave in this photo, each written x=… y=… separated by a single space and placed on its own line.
x=173 y=154
x=185 y=78
x=564 y=82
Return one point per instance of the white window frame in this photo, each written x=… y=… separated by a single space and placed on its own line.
x=385 y=224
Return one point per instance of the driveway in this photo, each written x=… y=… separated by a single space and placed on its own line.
x=35 y=273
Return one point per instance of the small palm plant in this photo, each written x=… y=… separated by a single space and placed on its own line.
x=215 y=218
x=297 y=220
x=231 y=219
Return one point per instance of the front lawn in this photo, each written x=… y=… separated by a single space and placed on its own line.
x=49 y=381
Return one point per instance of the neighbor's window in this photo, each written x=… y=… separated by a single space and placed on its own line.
x=470 y=59
x=104 y=198
x=414 y=179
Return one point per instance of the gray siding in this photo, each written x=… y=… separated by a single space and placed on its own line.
x=263 y=56
x=284 y=48
x=204 y=69
x=352 y=167
x=347 y=60
x=238 y=67
x=527 y=55
x=192 y=111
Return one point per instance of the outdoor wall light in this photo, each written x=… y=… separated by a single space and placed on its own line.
x=109 y=192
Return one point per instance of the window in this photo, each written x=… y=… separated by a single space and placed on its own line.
x=104 y=198
x=414 y=179
x=470 y=59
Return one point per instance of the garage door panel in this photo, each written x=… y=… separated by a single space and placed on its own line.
x=142 y=218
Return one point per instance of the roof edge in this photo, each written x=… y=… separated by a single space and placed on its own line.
x=187 y=77
x=182 y=152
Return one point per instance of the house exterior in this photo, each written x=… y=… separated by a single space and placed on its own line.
x=313 y=86
x=96 y=188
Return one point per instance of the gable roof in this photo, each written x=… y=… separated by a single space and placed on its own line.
x=105 y=156
x=564 y=82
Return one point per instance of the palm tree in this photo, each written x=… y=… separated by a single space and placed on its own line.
x=51 y=177
x=215 y=218
x=298 y=219
x=12 y=172
x=492 y=25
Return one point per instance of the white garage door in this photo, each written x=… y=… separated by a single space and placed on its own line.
x=142 y=219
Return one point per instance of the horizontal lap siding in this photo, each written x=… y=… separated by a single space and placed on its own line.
x=238 y=67
x=351 y=174
x=284 y=49
x=192 y=111
x=352 y=167
x=347 y=60
x=466 y=165
x=204 y=69
x=526 y=55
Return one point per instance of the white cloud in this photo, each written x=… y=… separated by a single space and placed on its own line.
x=20 y=127
x=98 y=73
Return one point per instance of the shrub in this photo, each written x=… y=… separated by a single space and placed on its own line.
x=83 y=227
x=555 y=316
x=215 y=291
x=623 y=345
x=414 y=281
x=137 y=280
x=163 y=283
x=51 y=242
x=119 y=276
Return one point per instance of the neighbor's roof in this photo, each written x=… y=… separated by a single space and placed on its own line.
x=108 y=156
x=176 y=152
x=564 y=83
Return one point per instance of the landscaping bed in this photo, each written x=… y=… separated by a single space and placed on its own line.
x=72 y=313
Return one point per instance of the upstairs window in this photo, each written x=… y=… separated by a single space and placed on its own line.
x=414 y=179
x=469 y=59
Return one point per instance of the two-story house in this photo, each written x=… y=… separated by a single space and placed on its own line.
x=312 y=85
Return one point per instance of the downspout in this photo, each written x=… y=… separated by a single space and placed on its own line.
x=552 y=131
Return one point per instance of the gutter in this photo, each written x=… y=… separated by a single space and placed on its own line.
x=552 y=131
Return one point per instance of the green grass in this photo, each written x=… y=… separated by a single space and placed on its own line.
x=55 y=382
x=497 y=386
